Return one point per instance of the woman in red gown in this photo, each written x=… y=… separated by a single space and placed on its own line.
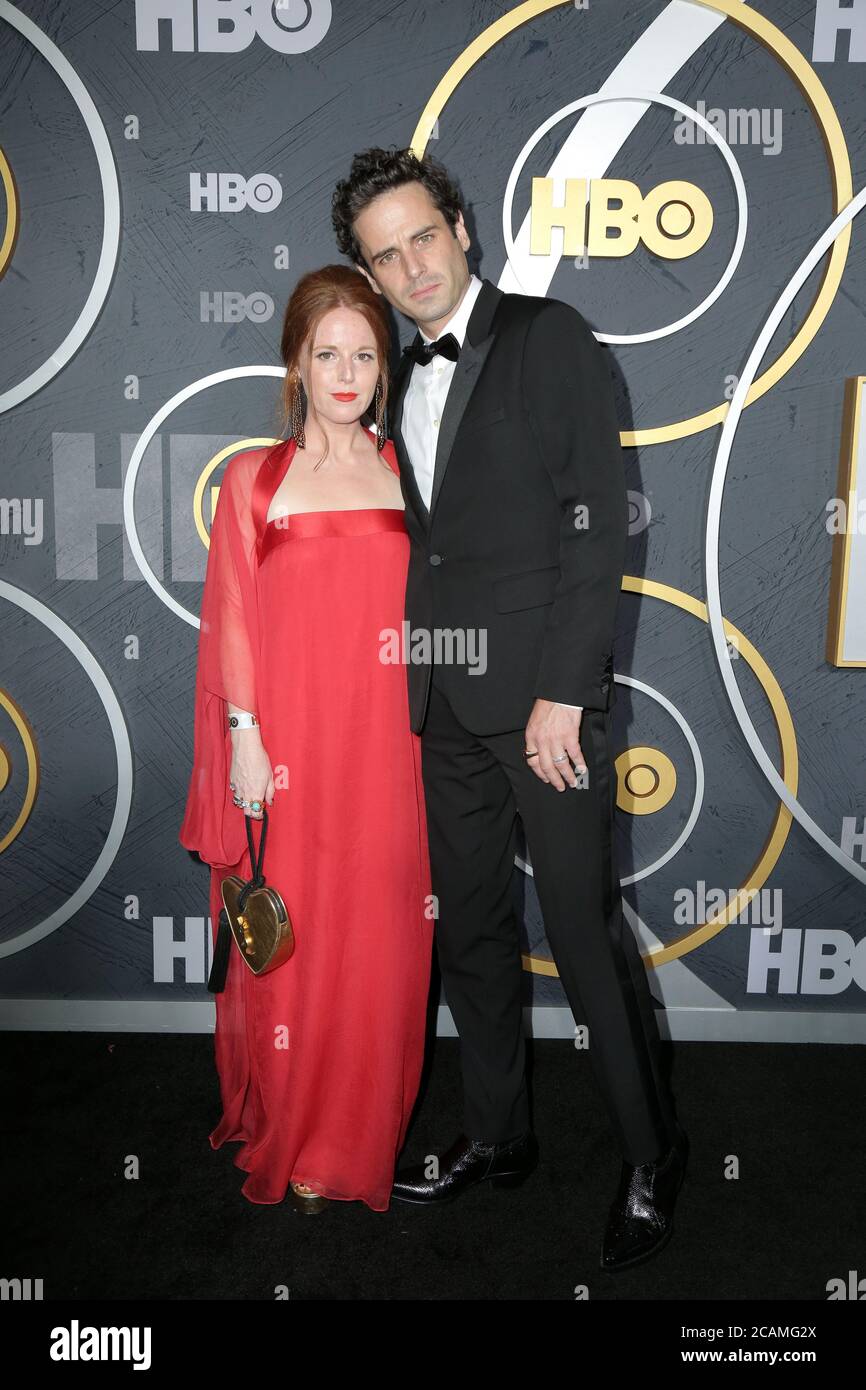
x=319 y=1060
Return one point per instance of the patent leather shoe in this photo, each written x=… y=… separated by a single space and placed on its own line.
x=466 y=1162
x=640 y=1222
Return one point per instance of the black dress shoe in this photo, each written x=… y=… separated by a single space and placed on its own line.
x=641 y=1217
x=467 y=1162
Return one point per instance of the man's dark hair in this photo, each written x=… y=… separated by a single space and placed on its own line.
x=376 y=171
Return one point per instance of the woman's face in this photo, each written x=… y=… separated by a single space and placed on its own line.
x=343 y=368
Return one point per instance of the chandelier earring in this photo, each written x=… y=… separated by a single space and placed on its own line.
x=380 y=415
x=296 y=412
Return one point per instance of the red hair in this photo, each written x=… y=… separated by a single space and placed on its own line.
x=315 y=294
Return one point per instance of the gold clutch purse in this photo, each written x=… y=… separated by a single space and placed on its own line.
x=256 y=916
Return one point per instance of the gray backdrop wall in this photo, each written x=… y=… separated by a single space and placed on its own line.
x=167 y=169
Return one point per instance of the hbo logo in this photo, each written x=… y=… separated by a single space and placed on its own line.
x=229 y=26
x=673 y=220
x=230 y=306
x=233 y=193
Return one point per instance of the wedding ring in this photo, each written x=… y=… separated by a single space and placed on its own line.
x=559 y=760
x=527 y=754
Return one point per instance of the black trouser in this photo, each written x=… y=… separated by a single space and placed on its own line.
x=474 y=787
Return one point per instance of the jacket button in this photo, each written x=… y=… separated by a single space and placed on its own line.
x=436 y=559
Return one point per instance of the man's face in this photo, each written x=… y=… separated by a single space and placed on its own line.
x=412 y=256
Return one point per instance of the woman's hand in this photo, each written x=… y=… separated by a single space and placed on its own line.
x=251 y=770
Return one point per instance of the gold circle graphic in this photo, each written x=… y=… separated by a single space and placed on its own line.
x=209 y=469
x=646 y=780
x=802 y=72
x=29 y=743
x=13 y=213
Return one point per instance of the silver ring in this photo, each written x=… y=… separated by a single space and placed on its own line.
x=560 y=760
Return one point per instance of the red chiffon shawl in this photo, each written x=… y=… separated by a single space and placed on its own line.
x=229 y=649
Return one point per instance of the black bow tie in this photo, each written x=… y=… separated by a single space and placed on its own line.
x=446 y=346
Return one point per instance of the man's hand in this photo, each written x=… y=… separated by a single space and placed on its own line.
x=554 y=730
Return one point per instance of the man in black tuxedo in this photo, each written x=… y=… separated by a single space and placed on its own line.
x=503 y=418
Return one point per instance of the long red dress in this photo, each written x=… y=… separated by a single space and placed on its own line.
x=319 y=1061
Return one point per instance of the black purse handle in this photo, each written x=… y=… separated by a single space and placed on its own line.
x=258 y=878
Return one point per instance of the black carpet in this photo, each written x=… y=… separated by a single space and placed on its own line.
x=79 y=1104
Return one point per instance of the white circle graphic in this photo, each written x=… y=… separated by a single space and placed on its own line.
x=153 y=424
x=95 y=300
x=711 y=552
x=123 y=753
x=718 y=140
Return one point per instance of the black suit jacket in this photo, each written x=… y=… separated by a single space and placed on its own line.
x=529 y=433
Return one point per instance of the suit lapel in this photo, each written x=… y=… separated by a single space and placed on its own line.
x=399 y=387
x=473 y=354
x=466 y=371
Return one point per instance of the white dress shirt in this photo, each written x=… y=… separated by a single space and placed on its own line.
x=426 y=394
x=424 y=401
